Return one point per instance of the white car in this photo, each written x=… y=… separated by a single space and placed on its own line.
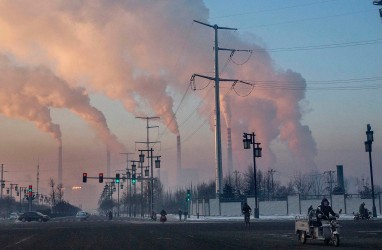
x=82 y=215
x=13 y=216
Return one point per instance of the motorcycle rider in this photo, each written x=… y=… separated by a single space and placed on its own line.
x=163 y=217
x=324 y=209
x=246 y=209
x=363 y=212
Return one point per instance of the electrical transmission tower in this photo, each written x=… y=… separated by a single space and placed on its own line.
x=217 y=79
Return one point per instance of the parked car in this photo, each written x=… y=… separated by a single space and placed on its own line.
x=13 y=216
x=82 y=215
x=33 y=216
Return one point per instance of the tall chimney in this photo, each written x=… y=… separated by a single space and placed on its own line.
x=229 y=152
x=340 y=176
x=178 y=158
x=60 y=163
x=178 y=153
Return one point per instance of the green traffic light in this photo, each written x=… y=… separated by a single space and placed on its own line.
x=134 y=179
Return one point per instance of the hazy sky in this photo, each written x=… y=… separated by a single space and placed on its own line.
x=81 y=71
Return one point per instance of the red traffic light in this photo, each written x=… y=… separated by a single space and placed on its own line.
x=84 y=177
x=100 y=177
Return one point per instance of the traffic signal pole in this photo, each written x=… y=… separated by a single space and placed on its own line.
x=2 y=180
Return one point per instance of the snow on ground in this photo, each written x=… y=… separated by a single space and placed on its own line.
x=261 y=218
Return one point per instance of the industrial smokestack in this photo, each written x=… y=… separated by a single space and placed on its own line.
x=340 y=176
x=178 y=153
x=60 y=163
x=108 y=162
x=229 y=152
x=178 y=158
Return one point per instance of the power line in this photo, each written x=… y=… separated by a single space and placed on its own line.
x=306 y=19
x=322 y=46
x=271 y=10
x=340 y=84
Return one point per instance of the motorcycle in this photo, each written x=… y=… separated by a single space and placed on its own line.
x=327 y=229
x=163 y=218
x=366 y=216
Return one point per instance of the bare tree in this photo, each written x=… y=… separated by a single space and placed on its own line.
x=302 y=183
x=60 y=192
x=318 y=183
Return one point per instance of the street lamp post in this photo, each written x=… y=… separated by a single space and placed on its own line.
x=129 y=173
x=157 y=165
x=368 y=148
x=247 y=141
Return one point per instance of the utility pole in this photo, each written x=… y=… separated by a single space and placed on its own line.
x=330 y=183
x=152 y=168
x=236 y=173
x=38 y=178
x=217 y=79
x=2 y=180
x=129 y=180
x=271 y=172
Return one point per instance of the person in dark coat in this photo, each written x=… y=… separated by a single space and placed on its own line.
x=185 y=215
x=310 y=209
x=180 y=214
x=163 y=217
x=324 y=209
x=246 y=209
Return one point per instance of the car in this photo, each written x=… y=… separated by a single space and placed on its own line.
x=33 y=216
x=82 y=215
x=13 y=216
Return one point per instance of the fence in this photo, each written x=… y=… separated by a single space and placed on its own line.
x=293 y=205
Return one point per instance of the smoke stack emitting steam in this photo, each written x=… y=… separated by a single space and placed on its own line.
x=179 y=153
x=229 y=152
x=140 y=72
x=60 y=163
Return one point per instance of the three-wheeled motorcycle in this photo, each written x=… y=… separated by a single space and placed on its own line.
x=325 y=229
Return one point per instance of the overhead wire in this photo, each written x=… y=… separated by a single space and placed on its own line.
x=321 y=46
x=339 y=84
x=272 y=10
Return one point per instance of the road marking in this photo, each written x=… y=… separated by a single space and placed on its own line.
x=20 y=241
x=374 y=232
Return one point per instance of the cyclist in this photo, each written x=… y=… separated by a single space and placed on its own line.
x=246 y=211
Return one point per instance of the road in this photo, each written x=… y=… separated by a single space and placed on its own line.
x=99 y=233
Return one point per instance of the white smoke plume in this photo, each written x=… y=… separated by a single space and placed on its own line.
x=28 y=93
x=129 y=50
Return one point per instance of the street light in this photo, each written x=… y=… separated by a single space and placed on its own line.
x=247 y=141
x=368 y=148
x=157 y=162
x=147 y=171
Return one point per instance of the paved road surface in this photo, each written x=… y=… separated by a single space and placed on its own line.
x=99 y=233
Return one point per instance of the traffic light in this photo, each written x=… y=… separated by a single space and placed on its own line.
x=134 y=179
x=100 y=177
x=84 y=177
x=30 y=192
x=116 y=178
x=188 y=195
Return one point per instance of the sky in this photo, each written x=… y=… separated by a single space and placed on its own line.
x=78 y=73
